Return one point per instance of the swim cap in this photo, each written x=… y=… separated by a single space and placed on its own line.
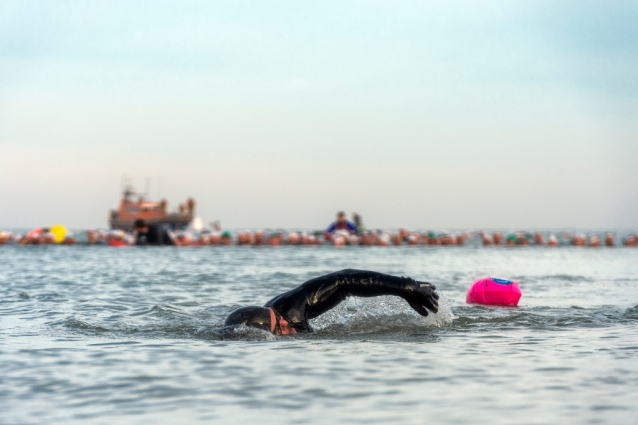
x=256 y=317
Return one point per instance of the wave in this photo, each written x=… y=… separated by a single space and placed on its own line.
x=544 y=318
x=387 y=315
x=380 y=318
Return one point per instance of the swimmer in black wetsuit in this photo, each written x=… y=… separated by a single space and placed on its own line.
x=151 y=234
x=289 y=313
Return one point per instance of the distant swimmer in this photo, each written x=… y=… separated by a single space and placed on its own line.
x=289 y=313
x=152 y=234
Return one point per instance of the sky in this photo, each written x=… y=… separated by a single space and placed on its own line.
x=278 y=114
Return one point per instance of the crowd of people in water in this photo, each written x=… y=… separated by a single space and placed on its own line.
x=341 y=232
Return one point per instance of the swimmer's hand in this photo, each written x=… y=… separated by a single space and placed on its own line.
x=423 y=297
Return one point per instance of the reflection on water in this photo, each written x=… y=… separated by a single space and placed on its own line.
x=98 y=335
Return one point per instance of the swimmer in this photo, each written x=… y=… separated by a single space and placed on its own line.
x=243 y=238
x=486 y=238
x=293 y=238
x=433 y=239
x=447 y=239
x=275 y=239
x=579 y=239
x=382 y=238
x=152 y=234
x=215 y=238
x=289 y=313
x=414 y=239
x=367 y=239
x=227 y=238
x=340 y=238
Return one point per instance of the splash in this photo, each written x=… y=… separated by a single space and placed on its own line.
x=380 y=314
x=243 y=333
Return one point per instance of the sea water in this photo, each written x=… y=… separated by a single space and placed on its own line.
x=100 y=335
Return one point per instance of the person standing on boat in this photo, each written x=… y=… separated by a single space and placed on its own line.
x=151 y=234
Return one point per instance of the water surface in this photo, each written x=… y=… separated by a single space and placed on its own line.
x=99 y=335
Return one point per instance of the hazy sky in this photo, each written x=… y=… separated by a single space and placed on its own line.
x=278 y=114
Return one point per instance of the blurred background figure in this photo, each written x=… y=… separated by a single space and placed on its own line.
x=293 y=238
x=414 y=239
x=5 y=238
x=204 y=238
x=245 y=238
x=91 y=236
x=631 y=240
x=227 y=238
x=610 y=240
x=183 y=239
x=340 y=238
x=215 y=238
x=552 y=241
x=151 y=234
x=522 y=239
x=118 y=238
x=275 y=239
x=341 y=224
x=358 y=223
x=381 y=238
x=486 y=239
x=433 y=239
x=305 y=239
x=447 y=239
x=579 y=240
x=538 y=239
x=367 y=239
x=498 y=238
x=353 y=239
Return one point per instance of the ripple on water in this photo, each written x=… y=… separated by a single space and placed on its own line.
x=95 y=335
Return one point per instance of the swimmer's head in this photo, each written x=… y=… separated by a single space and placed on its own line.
x=263 y=318
x=140 y=226
x=255 y=317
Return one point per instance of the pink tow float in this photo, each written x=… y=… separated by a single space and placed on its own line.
x=493 y=291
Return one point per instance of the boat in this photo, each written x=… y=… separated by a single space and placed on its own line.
x=134 y=206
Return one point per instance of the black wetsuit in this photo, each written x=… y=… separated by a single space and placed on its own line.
x=320 y=294
x=156 y=235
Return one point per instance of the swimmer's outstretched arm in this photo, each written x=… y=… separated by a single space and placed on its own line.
x=320 y=294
